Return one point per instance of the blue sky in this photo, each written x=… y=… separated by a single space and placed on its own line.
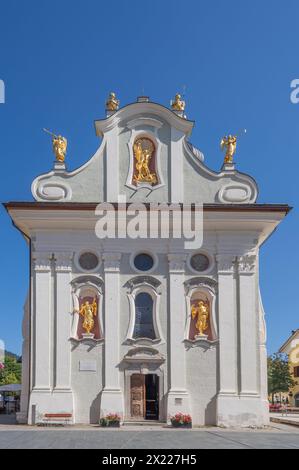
x=235 y=59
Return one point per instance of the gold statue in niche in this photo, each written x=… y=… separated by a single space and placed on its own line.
x=178 y=104
x=230 y=143
x=112 y=104
x=202 y=312
x=143 y=151
x=88 y=311
x=59 y=146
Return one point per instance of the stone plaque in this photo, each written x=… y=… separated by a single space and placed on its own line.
x=88 y=366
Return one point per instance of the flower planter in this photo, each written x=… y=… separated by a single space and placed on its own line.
x=181 y=425
x=181 y=420
x=110 y=421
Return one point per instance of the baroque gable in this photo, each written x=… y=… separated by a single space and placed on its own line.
x=145 y=155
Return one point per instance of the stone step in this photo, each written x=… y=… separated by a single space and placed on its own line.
x=147 y=422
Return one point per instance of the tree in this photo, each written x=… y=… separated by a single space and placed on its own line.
x=11 y=372
x=279 y=374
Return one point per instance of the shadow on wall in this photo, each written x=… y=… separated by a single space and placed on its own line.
x=94 y=412
x=210 y=412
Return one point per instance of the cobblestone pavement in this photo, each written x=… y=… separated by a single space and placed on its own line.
x=276 y=436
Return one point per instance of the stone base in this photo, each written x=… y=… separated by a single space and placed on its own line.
x=205 y=337
x=228 y=167
x=59 y=166
x=44 y=401
x=112 y=401
x=178 y=401
x=241 y=411
x=87 y=335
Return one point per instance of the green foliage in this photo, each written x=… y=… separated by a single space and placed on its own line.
x=279 y=374
x=12 y=371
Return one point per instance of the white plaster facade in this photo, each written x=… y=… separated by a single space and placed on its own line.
x=221 y=380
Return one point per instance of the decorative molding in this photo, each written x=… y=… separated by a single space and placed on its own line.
x=246 y=264
x=63 y=261
x=201 y=282
x=141 y=121
x=42 y=261
x=144 y=355
x=177 y=262
x=225 y=263
x=111 y=261
x=143 y=280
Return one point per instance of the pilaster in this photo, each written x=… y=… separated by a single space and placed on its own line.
x=112 y=397
x=178 y=399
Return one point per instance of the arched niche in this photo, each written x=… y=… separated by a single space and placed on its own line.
x=199 y=290
x=87 y=289
x=153 y=144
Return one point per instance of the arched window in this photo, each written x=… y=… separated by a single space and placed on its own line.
x=144 y=324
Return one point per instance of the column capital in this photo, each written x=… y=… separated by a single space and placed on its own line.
x=225 y=262
x=111 y=261
x=176 y=262
x=246 y=264
x=63 y=261
x=41 y=261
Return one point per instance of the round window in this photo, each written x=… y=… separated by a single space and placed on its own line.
x=88 y=261
x=143 y=262
x=199 y=262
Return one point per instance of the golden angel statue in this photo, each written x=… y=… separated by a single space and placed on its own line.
x=59 y=146
x=112 y=104
x=178 y=104
x=230 y=143
x=143 y=150
x=88 y=311
x=201 y=311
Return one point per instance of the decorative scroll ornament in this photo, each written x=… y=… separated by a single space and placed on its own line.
x=178 y=104
x=246 y=264
x=202 y=312
x=112 y=103
x=88 y=311
x=230 y=143
x=59 y=146
x=143 y=153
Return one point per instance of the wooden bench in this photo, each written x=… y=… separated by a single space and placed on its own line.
x=57 y=418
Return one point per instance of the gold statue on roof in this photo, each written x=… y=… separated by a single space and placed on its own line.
x=112 y=104
x=230 y=143
x=59 y=146
x=201 y=311
x=178 y=104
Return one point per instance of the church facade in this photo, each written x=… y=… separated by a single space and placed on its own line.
x=144 y=326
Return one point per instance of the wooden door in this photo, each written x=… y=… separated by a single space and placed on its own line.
x=137 y=396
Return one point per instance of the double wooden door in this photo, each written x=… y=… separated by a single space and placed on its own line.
x=144 y=396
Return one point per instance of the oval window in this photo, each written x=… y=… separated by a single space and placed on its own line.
x=199 y=262
x=143 y=262
x=88 y=261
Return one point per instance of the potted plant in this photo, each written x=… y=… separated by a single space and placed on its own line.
x=180 y=420
x=112 y=420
